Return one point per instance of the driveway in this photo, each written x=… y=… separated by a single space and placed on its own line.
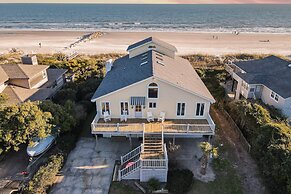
x=89 y=167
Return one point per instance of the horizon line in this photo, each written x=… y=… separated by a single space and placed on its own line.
x=147 y=3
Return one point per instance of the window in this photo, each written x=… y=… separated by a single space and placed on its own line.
x=181 y=109
x=275 y=96
x=152 y=105
x=124 y=108
x=245 y=85
x=153 y=90
x=200 y=109
x=105 y=107
x=43 y=74
x=252 y=90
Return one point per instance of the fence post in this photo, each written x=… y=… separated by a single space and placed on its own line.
x=188 y=126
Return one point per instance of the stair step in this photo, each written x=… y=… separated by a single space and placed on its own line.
x=152 y=147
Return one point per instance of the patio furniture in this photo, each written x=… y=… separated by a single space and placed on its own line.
x=162 y=117
x=124 y=115
x=107 y=117
x=150 y=116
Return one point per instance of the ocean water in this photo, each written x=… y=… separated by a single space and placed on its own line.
x=204 y=18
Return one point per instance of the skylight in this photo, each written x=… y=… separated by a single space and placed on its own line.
x=143 y=63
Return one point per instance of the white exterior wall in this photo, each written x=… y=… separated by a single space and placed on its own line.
x=147 y=174
x=2 y=87
x=144 y=48
x=168 y=97
x=283 y=104
x=287 y=108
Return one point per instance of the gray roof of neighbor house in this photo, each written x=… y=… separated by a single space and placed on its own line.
x=3 y=76
x=272 y=71
x=127 y=71
x=21 y=71
x=154 y=40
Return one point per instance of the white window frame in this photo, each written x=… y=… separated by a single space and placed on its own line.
x=124 y=107
x=181 y=109
x=105 y=107
x=43 y=73
x=200 y=109
x=153 y=87
x=152 y=104
x=274 y=95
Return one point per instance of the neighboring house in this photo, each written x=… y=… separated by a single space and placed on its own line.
x=148 y=84
x=268 y=79
x=29 y=81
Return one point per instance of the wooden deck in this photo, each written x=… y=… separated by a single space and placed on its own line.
x=169 y=126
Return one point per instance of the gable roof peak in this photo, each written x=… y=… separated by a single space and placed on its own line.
x=153 y=40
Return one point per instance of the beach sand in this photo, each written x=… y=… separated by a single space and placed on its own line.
x=117 y=42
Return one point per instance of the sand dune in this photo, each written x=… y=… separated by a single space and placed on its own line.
x=186 y=42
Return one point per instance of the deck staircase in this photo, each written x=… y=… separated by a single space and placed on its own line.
x=153 y=143
x=150 y=154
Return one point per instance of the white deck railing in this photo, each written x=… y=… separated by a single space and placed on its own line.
x=229 y=69
x=131 y=155
x=142 y=163
x=139 y=127
x=125 y=171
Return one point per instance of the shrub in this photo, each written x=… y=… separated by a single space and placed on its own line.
x=154 y=184
x=45 y=176
x=270 y=140
x=179 y=181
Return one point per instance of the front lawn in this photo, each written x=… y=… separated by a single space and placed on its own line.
x=226 y=181
x=121 y=188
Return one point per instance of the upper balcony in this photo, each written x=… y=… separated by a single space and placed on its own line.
x=170 y=127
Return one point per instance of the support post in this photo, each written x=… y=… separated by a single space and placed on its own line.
x=174 y=140
x=96 y=138
x=130 y=142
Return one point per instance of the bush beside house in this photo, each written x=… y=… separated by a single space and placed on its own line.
x=270 y=140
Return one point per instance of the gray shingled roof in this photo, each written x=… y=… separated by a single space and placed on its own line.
x=127 y=71
x=271 y=71
x=154 y=40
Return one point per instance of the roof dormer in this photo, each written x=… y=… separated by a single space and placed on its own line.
x=151 y=43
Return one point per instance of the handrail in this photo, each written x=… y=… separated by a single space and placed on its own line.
x=132 y=154
x=166 y=128
x=129 y=169
x=154 y=163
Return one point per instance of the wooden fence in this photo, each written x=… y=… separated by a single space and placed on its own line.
x=237 y=130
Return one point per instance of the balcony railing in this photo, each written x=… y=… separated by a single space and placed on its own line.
x=167 y=128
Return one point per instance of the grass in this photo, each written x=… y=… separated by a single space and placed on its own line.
x=120 y=188
x=86 y=126
x=226 y=181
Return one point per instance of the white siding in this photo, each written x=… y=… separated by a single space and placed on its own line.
x=169 y=96
x=147 y=174
x=2 y=87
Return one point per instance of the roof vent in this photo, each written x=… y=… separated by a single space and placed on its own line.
x=143 y=63
x=160 y=62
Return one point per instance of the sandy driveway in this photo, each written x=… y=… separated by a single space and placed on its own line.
x=89 y=168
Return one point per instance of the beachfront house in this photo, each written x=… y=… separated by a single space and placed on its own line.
x=268 y=79
x=151 y=93
x=29 y=81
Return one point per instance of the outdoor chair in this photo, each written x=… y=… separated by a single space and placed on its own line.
x=107 y=117
x=150 y=116
x=162 y=117
x=124 y=115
